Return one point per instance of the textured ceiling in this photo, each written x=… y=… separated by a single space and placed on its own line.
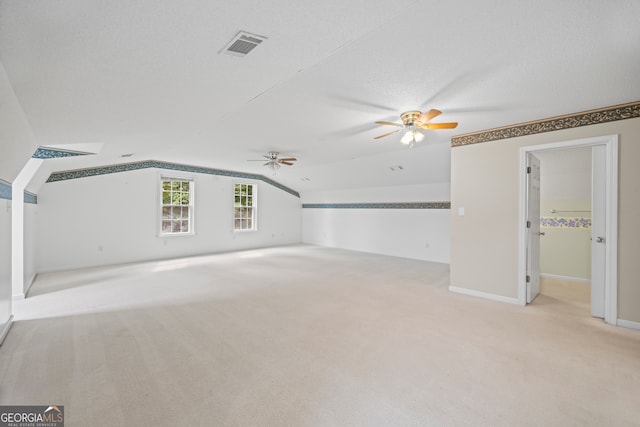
x=146 y=77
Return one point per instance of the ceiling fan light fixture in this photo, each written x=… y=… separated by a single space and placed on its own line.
x=407 y=138
x=411 y=135
x=412 y=122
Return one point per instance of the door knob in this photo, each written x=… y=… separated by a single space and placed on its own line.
x=600 y=239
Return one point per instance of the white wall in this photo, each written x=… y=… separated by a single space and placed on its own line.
x=17 y=145
x=30 y=243
x=5 y=263
x=411 y=233
x=112 y=219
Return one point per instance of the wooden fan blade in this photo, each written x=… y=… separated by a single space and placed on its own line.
x=387 y=134
x=451 y=125
x=285 y=163
x=288 y=159
x=431 y=114
x=390 y=124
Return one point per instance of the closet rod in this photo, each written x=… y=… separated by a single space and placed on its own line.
x=557 y=211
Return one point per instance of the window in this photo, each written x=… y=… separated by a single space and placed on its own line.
x=177 y=206
x=244 y=215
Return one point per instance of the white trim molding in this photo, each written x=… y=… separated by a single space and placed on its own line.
x=6 y=328
x=628 y=324
x=565 y=278
x=610 y=142
x=484 y=295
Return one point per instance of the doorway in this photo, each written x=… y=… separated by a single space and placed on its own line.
x=603 y=218
x=566 y=191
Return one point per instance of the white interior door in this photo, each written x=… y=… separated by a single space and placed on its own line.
x=598 y=229
x=533 y=227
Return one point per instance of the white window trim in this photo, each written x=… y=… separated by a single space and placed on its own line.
x=178 y=177
x=254 y=220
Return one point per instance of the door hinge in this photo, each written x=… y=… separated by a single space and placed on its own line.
x=528 y=278
x=528 y=169
x=528 y=224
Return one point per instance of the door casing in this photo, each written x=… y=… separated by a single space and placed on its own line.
x=610 y=142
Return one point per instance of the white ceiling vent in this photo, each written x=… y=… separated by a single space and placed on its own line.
x=243 y=43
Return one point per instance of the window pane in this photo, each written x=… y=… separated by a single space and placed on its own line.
x=185 y=226
x=249 y=201
x=166 y=226
x=185 y=186
x=166 y=212
x=238 y=224
x=250 y=190
x=175 y=212
x=249 y=227
x=175 y=226
x=166 y=198
x=175 y=185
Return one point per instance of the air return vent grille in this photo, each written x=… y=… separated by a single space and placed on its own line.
x=242 y=44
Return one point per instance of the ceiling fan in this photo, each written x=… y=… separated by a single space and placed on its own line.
x=414 y=120
x=273 y=161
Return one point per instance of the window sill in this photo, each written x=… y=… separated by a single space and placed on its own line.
x=176 y=234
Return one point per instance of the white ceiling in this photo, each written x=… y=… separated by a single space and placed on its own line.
x=146 y=77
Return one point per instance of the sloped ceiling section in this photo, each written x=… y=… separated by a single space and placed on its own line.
x=146 y=78
x=17 y=142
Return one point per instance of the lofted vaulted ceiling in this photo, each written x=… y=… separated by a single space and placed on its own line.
x=147 y=77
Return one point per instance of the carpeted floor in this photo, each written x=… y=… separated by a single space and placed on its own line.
x=310 y=336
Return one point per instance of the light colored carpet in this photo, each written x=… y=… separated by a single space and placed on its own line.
x=309 y=336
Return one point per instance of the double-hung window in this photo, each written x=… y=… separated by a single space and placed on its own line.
x=244 y=215
x=176 y=206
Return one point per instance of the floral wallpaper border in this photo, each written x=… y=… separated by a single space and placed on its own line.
x=126 y=167
x=585 y=118
x=565 y=222
x=391 y=205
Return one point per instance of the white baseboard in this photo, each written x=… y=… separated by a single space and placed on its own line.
x=6 y=328
x=484 y=295
x=29 y=283
x=567 y=278
x=628 y=324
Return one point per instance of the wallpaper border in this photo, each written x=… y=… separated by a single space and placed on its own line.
x=7 y=193
x=54 y=153
x=127 y=167
x=591 y=117
x=392 y=205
